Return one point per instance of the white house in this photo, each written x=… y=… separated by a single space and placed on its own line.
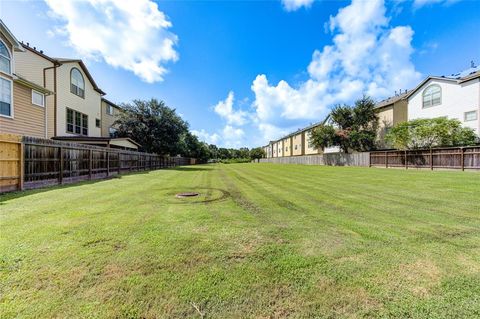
x=456 y=97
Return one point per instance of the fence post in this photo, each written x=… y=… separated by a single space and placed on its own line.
x=431 y=159
x=386 y=159
x=21 y=168
x=90 y=160
x=119 y=163
x=463 y=158
x=60 y=175
x=108 y=162
x=406 y=160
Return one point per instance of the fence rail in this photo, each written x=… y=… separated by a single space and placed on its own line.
x=454 y=158
x=42 y=162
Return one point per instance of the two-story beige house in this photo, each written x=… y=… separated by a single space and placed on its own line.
x=74 y=108
x=390 y=111
x=110 y=112
x=22 y=97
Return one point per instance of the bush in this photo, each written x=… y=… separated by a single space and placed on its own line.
x=235 y=160
x=427 y=133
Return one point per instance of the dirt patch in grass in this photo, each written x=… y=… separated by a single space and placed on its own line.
x=419 y=277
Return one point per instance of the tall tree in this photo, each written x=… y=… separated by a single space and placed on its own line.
x=257 y=153
x=154 y=125
x=192 y=147
x=350 y=128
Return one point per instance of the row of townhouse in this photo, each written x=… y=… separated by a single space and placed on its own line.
x=456 y=96
x=46 y=97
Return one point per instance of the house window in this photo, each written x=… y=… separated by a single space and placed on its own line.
x=38 y=98
x=295 y=147
x=77 y=84
x=471 y=116
x=432 y=96
x=6 y=97
x=97 y=122
x=77 y=123
x=5 y=61
x=112 y=131
x=109 y=109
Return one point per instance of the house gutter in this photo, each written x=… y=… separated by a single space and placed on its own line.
x=54 y=67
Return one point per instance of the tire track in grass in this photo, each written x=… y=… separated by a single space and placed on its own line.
x=378 y=219
x=237 y=195
x=277 y=200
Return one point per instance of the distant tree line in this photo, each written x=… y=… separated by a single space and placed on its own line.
x=159 y=129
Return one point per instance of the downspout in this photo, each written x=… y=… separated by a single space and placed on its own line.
x=54 y=67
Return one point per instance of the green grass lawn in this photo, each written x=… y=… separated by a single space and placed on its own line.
x=261 y=241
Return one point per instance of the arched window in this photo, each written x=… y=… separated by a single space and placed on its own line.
x=432 y=96
x=5 y=61
x=77 y=84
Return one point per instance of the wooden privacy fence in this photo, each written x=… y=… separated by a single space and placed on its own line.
x=11 y=168
x=33 y=162
x=452 y=157
x=332 y=159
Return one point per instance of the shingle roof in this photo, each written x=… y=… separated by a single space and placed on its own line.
x=465 y=73
x=390 y=100
x=59 y=61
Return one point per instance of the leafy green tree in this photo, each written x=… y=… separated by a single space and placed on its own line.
x=192 y=147
x=243 y=152
x=213 y=151
x=257 y=153
x=154 y=125
x=224 y=153
x=350 y=128
x=427 y=133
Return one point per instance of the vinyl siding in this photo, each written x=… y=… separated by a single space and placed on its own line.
x=31 y=66
x=309 y=149
x=297 y=144
x=90 y=105
x=287 y=146
x=28 y=119
x=107 y=119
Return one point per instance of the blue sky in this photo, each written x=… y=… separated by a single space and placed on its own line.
x=244 y=72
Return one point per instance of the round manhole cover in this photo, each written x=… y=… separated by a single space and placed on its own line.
x=187 y=194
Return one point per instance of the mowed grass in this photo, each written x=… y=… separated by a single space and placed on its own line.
x=261 y=241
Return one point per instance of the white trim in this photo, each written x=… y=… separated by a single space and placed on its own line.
x=43 y=98
x=9 y=58
x=11 y=98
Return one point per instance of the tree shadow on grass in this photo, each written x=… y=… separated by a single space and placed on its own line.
x=191 y=168
x=18 y=194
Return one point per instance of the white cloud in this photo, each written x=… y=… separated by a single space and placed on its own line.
x=232 y=137
x=367 y=55
x=293 y=5
x=207 y=137
x=421 y=3
x=225 y=110
x=132 y=35
x=229 y=136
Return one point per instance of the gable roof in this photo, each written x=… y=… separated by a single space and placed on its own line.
x=10 y=37
x=464 y=76
x=60 y=61
x=84 y=69
x=391 y=100
x=111 y=103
